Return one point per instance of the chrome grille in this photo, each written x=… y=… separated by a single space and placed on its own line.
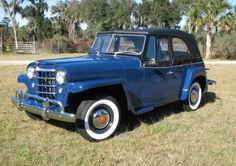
x=46 y=83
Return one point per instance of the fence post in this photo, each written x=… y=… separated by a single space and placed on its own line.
x=58 y=46
x=34 y=48
x=43 y=47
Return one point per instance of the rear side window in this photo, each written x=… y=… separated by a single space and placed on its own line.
x=180 y=48
x=163 y=50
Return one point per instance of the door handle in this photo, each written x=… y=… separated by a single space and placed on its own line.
x=170 y=73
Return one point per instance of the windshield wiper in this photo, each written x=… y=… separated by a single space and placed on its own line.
x=126 y=52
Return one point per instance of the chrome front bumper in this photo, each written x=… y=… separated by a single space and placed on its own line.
x=45 y=111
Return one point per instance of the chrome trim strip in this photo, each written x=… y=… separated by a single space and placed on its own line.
x=48 y=78
x=45 y=70
x=44 y=111
x=47 y=93
x=144 y=41
x=110 y=42
x=173 y=66
x=42 y=85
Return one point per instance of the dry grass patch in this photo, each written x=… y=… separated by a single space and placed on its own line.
x=13 y=56
x=166 y=136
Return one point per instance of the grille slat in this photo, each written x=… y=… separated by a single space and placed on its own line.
x=49 y=78
x=46 y=83
x=45 y=93
x=53 y=86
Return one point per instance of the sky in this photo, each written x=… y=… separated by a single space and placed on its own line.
x=53 y=2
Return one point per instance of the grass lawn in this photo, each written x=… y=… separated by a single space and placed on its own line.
x=14 y=56
x=166 y=136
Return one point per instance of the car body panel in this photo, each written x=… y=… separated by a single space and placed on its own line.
x=145 y=87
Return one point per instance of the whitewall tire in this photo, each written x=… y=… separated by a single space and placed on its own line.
x=98 y=119
x=194 y=97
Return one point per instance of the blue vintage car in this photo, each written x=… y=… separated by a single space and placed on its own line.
x=133 y=71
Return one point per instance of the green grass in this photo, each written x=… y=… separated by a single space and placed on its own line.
x=166 y=136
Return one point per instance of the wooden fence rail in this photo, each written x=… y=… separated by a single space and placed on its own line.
x=47 y=47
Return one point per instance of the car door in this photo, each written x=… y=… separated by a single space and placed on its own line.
x=182 y=61
x=159 y=86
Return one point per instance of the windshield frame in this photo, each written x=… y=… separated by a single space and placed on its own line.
x=120 y=34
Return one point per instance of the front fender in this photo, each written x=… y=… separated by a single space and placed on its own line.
x=80 y=86
x=28 y=83
x=191 y=74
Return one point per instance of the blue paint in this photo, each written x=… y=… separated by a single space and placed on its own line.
x=144 y=87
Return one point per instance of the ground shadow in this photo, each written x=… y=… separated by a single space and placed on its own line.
x=130 y=122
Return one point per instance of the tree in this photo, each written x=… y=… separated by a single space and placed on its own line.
x=6 y=21
x=12 y=8
x=195 y=20
x=159 y=13
x=68 y=14
x=40 y=27
x=144 y=12
x=120 y=13
x=213 y=12
x=213 y=16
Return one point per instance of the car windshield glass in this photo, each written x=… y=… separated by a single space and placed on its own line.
x=119 y=44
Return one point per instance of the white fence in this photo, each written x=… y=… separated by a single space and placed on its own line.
x=47 y=47
x=35 y=48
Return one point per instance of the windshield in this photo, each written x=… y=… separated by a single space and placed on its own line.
x=119 y=43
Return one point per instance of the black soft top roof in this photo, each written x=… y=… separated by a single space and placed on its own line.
x=188 y=38
x=172 y=32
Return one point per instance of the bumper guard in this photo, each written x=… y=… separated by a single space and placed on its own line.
x=43 y=111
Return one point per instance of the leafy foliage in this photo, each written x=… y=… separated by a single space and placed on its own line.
x=67 y=17
x=206 y=19
x=40 y=27
x=225 y=46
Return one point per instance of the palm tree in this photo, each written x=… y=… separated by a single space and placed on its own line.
x=213 y=12
x=194 y=21
x=213 y=15
x=12 y=8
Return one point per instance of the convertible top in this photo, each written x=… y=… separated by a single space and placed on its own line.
x=172 y=32
x=188 y=38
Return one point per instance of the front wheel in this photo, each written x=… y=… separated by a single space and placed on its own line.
x=194 y=97
x=98 y=119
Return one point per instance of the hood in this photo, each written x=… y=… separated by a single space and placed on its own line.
x=92 y=66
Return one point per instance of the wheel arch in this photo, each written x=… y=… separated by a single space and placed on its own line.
x=192 y=75
x=202 y=81
x=116 y=90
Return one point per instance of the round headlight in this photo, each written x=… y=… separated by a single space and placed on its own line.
x=30 y=72
x=61 y=77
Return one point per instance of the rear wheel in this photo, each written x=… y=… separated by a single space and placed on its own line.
x=194 y=97
x=97 y=119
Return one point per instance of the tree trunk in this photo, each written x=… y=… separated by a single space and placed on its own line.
x=209 y=37
x=208 y=45
x=189 y=27
x=196 y=29
x=14 y=30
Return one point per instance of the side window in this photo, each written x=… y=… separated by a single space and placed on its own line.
x=163 y=56
x=151 y=49
x=180 y=48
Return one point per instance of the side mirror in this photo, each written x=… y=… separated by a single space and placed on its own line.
x=150 y=62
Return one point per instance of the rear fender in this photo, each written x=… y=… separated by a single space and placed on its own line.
x=191 y=74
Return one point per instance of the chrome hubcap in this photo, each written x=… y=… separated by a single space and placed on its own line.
x=100 y=118
x=194 y=95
